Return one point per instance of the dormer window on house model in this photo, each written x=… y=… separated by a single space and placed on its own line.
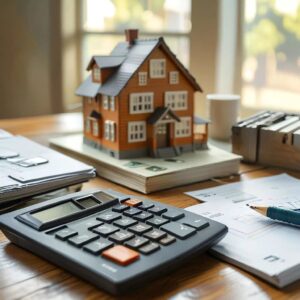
x=145 y=101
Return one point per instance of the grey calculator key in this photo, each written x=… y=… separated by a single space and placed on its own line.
x=92 y=223
x=196 y=223
x=132 y=212
x=158 y=210
x=155 y=234
x=149 y=248
x=121 y=236
x=146 y=206
x=167 y=240
x=109 y=216
x=157 y=221
x=140 y=228
x=173 y=215
x=120 y=208
x=98 y=246
x=82 y=239
x=65 y=233
x=179 y=230
x=137 y=242
x=143 y=216
x=125 y=222
x=106 y=229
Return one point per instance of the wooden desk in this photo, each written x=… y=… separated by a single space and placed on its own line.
x=26 y=276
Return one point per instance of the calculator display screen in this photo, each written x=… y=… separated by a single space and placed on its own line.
x=87 y=202
x=56 y=212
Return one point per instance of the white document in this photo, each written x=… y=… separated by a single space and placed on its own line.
x=262 y=246
x=57 y=170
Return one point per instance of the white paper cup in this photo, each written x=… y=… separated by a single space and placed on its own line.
x=223 y=114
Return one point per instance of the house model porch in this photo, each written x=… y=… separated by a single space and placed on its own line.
x=139 y=101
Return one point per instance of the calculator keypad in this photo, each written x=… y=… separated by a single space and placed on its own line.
x=132 y=212
x=109 y=216
x=137 y=242
x=134 y=227
x=140 y=228
x=125 y=222
x=65 y=233
x=149 y=248
x=179 y=230
x=158 y=210
x=155 y=234
x=98 y=246
x=121 y=236
x=106 y=229
x=82 y=239
x=157 y=221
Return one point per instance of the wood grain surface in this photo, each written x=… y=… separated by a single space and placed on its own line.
x=26 y=276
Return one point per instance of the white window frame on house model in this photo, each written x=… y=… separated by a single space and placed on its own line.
x=87 y=125
x=158 y=68
x=95 y=127
x=184 y=127
x=110 y=130
x=97 y=74
x=105 y=102
x=137 y=131
x=174 y=77
x=112 y=103
x=143 y=78
x=177 y=100
x=141 y=103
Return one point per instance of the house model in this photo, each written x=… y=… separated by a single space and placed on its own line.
x=139 y=101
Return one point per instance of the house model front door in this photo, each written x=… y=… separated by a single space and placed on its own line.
x=163 y=135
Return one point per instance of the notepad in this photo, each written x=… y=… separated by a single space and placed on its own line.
x=268 y=249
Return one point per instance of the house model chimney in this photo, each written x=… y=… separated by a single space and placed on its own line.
x=131 y=35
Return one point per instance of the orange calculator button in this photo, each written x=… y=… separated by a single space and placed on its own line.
x=121 y=255
x=133 y=202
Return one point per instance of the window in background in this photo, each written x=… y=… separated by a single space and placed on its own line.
x=104 y=22
x=271 y=67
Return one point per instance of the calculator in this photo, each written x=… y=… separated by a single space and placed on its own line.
x=111 y=240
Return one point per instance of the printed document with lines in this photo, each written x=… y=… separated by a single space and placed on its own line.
x=268 y=249
x=22 y=176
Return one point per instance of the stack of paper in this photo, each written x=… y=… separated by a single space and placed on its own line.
x=268 y=249
x=148 y=174
x=27 y=168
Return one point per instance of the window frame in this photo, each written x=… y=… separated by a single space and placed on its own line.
x=154 y=65
x=174 y=80
x=180 y=126
x=95 y=125
x=87 y=125
x=143 y=78
x=96 y=74
x=176 y=100
x=134 y=102
x=112 y=103
x=110 y=130
x=131 y=132
x=105 y=102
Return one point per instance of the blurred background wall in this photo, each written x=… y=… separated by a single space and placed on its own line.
x=250 y=47
x=30 y=77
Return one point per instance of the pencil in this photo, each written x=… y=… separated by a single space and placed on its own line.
x=275 y=213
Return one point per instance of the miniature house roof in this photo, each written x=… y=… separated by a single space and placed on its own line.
x=200 y=121
x=107 y=61
x=133 y=56
x=161 y=113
